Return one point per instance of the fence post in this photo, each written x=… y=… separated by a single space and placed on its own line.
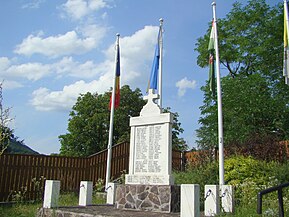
x=280 y=200
x=183 y=161
x=259 y=203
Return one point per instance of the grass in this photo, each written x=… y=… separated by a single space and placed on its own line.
x=30 y=209
x=71 y=199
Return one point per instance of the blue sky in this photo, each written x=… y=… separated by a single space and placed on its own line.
x=53 y=50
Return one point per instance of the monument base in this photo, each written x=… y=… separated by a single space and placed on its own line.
x=155 y=198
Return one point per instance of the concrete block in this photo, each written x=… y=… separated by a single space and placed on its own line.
x=111 y=189
x=85 y=193
x=212 y=200
x=51 y=193
x=227 y=195
x=190 y=200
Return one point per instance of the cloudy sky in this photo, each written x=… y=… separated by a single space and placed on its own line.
x=53 y=50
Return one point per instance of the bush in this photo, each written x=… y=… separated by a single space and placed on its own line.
x=202 y=175
x=247 y=175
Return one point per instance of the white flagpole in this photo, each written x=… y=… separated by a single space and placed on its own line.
x=109 y=146
x=161 y=62
x=219 y=95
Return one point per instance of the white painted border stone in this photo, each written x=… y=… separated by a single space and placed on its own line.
x=51 y=193
x=85 y=193
x=111 y=190
x=227 y=194
x=190 y=200
x=212 y=200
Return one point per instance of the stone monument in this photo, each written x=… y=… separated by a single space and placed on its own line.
x=149 y=184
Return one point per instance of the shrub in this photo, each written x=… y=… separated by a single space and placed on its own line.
x=202 y=175
x=99 y=185
x=249 y=176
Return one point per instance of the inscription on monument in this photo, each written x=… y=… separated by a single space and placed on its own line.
x=148 y=149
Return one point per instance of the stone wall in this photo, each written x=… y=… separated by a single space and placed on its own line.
x=156 y=198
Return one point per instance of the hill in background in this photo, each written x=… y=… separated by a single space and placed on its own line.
x=18 y=147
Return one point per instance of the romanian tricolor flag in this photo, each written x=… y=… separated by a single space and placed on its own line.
x=117 y=81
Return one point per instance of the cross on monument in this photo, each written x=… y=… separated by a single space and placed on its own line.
x=151 y=107
x=151 y=97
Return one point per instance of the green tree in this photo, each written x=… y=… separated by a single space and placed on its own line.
x=6 y=134
x=249 y=111
x=250 y=40
x=178 y=143
x=88 y=124
x=254 y=95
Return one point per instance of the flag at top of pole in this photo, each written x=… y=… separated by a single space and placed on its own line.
x=117 y=81
x=155 y=81
x=219 y=100
x=115 y=97
x=286 y=44
x=211 y=49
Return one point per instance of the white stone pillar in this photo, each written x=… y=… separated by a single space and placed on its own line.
x=227 y=195
x=212 y=200
x=51 y=193
x=111 y=189
x=190 y=200
x=85 y=193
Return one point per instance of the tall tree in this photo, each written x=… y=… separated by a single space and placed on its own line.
x=255 y=97
x=88 y=124
x=250 y=40
x=178 y=143
x=6 y=134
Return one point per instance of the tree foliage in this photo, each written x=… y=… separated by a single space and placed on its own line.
x=255 y=99
x=178 y=143
x=88 y=125
x=6 y=134
x=89 y=122
x=250 y=40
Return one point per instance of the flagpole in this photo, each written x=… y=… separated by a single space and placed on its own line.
x=161 y=62
x=109 y=146
x=219 y=95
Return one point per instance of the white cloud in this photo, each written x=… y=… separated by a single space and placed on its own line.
x=67 y=66
x=7 y=84
x=30 y=71
x=137 y=52
x=60 y=45
x=185 y=84
x=4 y=64
x=136 y=57
x=46 y=100
x=35 y=71
x=77 y=9
x=34 y=4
